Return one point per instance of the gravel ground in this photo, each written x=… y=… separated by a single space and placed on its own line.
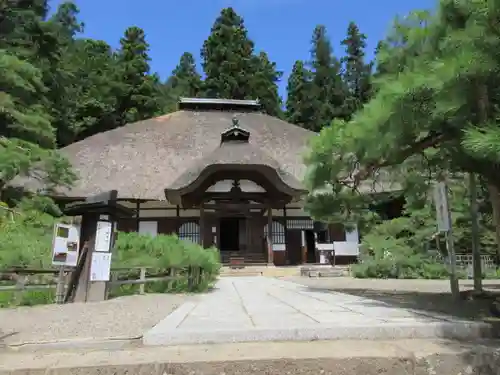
x=425 y=295
x=124 y=317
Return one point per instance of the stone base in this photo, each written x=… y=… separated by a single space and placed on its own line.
x=165 y=333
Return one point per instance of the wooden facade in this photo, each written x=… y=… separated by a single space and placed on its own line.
x=234 y=233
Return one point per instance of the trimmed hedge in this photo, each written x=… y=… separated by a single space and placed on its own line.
x=164 y=252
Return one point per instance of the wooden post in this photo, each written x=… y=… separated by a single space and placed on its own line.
x=20 y=285
x=190 y=278
x=143 y=279
x=445 y=225
x=270 y=260
x=202 y=225
x=177 y=219
x=285 y=229
x=303 y=247
x=60 y=292
x=247 y=234
x=137 y=215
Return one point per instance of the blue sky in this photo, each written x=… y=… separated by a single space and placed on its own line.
x=282 y=28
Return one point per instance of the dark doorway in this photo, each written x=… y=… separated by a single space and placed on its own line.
x=311 y=247
x=294 y=246
x=229 y=234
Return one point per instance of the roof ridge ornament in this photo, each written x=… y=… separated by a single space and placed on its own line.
x=235 y=133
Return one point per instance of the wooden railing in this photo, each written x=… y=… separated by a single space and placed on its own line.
x=24 y=279
x=465 y=261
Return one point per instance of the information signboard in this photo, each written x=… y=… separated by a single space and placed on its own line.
x=65 y=245
x=442 y=210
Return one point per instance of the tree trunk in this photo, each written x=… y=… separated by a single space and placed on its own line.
x=494 y=192
x=493 y=188
x=476 y=249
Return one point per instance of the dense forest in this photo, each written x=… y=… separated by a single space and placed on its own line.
x=59 y=87
x=424 y=109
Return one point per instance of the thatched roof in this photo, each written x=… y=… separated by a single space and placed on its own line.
x=142 y=159
x=235 y=154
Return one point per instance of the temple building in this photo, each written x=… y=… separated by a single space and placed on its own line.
x=216 y=172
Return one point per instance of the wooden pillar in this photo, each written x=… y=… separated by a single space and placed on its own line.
x=285 y=229
x=137 y=215
x=202 y=225
x=270 y=259
x=303 y=246
x=88 y=234
x=177 y=219
x=247 y=233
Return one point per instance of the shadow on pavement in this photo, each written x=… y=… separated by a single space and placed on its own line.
x=468 y=356
x=423 y=302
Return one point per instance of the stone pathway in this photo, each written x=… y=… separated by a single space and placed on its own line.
x=243 y=309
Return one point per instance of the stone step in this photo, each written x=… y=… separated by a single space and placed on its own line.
x=260 y=270
x=250 y=258
x=325 y=271
x=350 y=357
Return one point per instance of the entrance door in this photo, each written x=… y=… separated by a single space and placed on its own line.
x=229 y=234
x=311 y=247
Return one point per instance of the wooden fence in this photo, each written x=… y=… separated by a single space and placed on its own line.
x=465 y=261
x=24 y=279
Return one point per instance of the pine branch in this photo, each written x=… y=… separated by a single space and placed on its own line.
x=429 y=141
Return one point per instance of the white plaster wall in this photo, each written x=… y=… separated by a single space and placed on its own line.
x=148 y=227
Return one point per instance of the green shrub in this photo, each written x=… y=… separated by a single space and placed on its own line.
x=491 y=274
x=161 y=253
x=26 y=239
x=413 y=267
x=26 y=298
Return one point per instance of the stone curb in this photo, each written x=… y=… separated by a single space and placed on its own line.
x=167 y=333
x=415 y=357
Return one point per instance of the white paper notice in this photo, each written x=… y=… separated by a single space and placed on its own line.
x=103 y=236
x=100 y=267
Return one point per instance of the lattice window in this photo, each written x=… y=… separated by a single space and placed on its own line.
x=303 y=224
x=190 y=231
x=278 y=232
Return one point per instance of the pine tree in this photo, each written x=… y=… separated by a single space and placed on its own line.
x=92 y=66
x=357 y=73
x=327 y=91
x=66 y=18
x=265 y=84
x=185 y=80
x=138 y=94
x=60 y=79
x=298 y=106
x=26 y=134
x=227 y=58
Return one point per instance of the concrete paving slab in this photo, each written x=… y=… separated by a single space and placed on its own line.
x=283 y=321
x=247 y=309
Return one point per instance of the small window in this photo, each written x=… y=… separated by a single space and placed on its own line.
x=278 y=232
x=190 y=231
